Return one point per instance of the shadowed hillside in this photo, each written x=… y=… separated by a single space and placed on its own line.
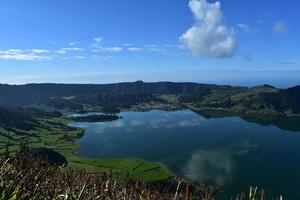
x=20 y=95
x=23 y=118
x=263 y=99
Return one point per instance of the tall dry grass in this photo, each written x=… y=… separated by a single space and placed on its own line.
x=24 y=177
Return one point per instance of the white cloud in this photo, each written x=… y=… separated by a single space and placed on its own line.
x=280 y=27
x=247 y=28
x=244 y=26
x=61 y=52
x=98 y=39
x=208 y=36
x=172 y=46
x=135 y=49
x=69 y=49
x=79 y=57
x=40 y=51
x=112 y=49
x=126 y=44
x=74 y=43
x=12 y=51
x=105 y=58
x=72 y=49
x=155 y=48
x=97 y=47
x=107 y=49
x=24 y=55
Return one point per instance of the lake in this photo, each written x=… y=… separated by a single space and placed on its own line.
x=227 y=151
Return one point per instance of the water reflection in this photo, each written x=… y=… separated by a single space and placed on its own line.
x=212 y=147
x=289 y=123
x=214 y=167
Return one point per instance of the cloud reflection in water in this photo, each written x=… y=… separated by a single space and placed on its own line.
x=215 y=167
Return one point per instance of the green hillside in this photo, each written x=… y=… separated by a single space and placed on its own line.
x=263 y=99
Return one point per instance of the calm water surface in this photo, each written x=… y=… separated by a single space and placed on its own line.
x=227 y=151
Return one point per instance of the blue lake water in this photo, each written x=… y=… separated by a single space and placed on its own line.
x=227 y=151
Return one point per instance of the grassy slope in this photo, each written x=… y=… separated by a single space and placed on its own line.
x=57 y=136
x=248 y=101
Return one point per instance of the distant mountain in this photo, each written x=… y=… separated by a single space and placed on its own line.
x=264 y=99
x=21 y=95
x=249 y=100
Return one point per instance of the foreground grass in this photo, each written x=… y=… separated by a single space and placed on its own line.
x=27 y=176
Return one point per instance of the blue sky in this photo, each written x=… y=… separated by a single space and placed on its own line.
x=98 y=41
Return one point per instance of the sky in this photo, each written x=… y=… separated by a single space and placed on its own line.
x=103 y=41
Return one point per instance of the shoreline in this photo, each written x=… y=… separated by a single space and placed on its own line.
x=100 y=162
x=83 y=162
